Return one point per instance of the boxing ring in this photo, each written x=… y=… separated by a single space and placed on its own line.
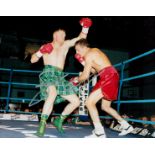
x=29 y=120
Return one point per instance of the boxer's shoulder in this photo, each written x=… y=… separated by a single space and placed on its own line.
x=95 y=49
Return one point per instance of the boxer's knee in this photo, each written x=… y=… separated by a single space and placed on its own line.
x=90 y=103
x=51 y=90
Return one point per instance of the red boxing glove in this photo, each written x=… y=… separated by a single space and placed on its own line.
x=79 y=58
x=86 y=22
x=74 y=81
x=47 y=48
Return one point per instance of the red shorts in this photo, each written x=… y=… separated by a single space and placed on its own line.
x=108 y=82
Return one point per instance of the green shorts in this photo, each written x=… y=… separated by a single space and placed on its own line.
x=52 y=76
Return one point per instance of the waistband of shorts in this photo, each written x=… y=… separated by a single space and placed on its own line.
x=111 y=68
x=52 y=68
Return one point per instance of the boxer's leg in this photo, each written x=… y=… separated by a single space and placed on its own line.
x=74 y=103
x=47 y=109
x=126 y=127
x=106 y=106
x=94 y=97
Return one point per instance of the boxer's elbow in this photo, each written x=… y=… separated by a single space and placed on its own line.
x=93 y=71
x=34 y=59
x=83 y=78
x=86 y=77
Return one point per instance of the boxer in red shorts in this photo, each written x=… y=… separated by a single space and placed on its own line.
x=94 y=60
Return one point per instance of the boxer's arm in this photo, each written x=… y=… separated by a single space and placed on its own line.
x=86 y=23
x=45 y=49
x=82 y=61
x=34 y=58
x=93 y=71
x=87 y=70
x=71 y=43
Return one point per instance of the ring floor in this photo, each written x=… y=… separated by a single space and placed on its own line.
x=26 y=129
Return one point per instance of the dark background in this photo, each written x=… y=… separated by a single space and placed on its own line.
x=133 y=33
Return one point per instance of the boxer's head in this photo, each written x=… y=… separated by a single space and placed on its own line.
x=81 y=47
x=59 y=36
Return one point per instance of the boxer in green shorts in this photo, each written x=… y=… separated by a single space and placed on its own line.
x=53 y=86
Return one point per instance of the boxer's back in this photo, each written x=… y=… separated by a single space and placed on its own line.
x=99 y=59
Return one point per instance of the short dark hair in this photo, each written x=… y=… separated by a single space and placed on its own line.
x=82 y=42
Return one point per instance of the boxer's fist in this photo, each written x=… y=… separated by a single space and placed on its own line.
x=79 y=58
x=47 y=48
x=74 y=81
x=86 y=22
